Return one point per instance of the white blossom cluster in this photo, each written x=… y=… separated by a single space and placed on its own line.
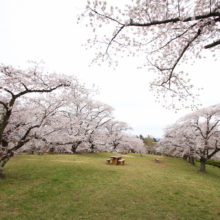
x=195 y=135
x=164 y=34
x=41 y=111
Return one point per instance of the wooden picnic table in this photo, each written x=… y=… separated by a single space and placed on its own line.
x=115 y=159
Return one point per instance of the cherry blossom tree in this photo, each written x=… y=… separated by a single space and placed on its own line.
x=178 y=141
x=53 y=109
x=100 y=115
x=27 y=99
x=115 y=134
x=196 y=134
x=135 y=143
x=80 y=121
x=164 y=33
x=67 y=126
x=205 y=126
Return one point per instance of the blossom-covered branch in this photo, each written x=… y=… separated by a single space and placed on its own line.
x=167 y=33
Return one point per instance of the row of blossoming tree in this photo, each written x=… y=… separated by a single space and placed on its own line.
x=54 y=111
x=196 y=135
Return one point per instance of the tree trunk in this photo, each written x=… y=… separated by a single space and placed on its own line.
x=51 y=150
x=73 y=148
x=2 y=175
x=3 y=161
x=184 y=157
x=92 y=148
x=192 y=161
x=123 y=151
x=202 y=165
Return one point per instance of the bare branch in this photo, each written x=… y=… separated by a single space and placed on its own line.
x=174 y=20
x=212 y=44
x=114 y=37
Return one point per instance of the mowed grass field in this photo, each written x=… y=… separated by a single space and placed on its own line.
x=85 y=187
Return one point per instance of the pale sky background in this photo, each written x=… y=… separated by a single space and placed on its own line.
x=47 y=30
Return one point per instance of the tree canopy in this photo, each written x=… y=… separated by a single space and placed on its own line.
x=53 y=112
x=164 y=33
x=195 y=135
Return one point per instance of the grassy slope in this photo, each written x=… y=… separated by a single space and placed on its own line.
x=85 y=187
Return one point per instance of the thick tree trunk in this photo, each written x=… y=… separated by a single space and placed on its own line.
x=202 y=165
x=192 y=161
x=75 y=146
x=92 y=147
x=184 y=157
x=3 y=161
x=2 y=175
x=51 y=150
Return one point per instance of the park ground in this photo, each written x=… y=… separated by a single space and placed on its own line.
x=83 y=186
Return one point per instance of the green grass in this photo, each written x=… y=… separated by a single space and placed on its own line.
x=85 y=187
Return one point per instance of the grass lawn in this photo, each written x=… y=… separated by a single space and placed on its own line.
x=85 y=187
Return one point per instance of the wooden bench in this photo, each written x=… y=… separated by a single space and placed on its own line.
x=109 y=160
x=121 y=161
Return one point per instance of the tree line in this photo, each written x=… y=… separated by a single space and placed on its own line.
x=49 y=111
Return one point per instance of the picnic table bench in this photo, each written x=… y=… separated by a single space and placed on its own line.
x=116 y=160
x=121 y=161
x=109 y=160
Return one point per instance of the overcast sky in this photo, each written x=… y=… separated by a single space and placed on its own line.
x=47 y=30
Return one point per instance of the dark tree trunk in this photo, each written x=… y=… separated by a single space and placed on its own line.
x=115 y=146
x=202 y=165
x=184 y=157
x=189 y=159
x=192 y=161
x=2 y=175
x=3 y=161
x=75 y=146
x=51 y=149
x=92 y=147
